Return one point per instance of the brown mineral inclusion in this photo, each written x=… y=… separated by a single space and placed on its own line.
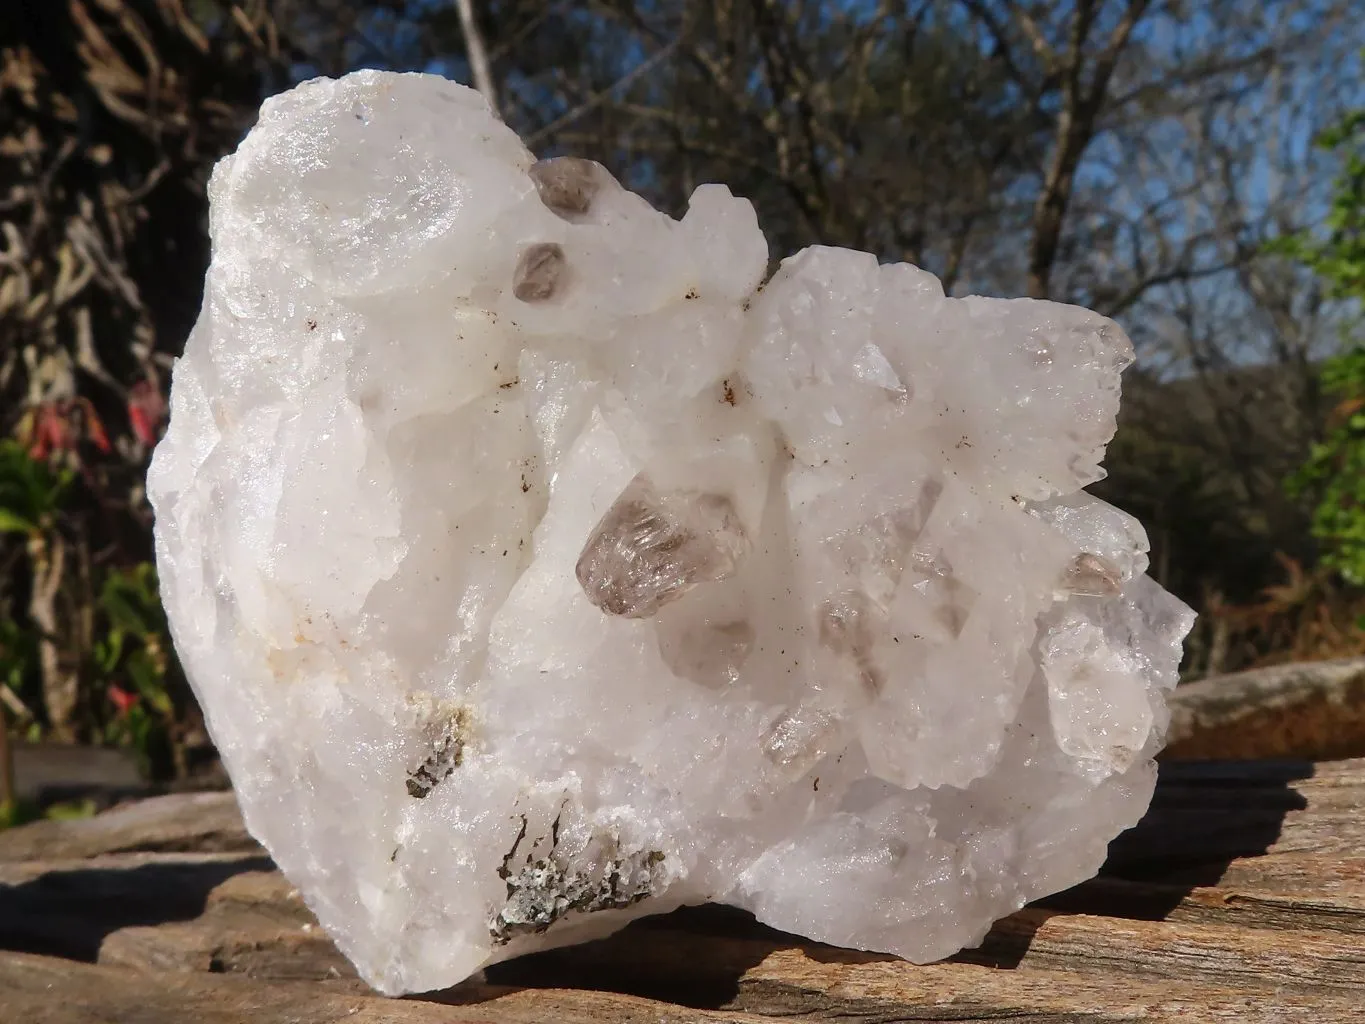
x=652 y=548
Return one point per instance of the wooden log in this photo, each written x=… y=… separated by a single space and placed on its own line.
x=182 y=821
x=47 y=773
x=1312 y=710
x=1240 y=895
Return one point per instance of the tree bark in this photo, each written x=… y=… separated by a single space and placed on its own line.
x=61 y=690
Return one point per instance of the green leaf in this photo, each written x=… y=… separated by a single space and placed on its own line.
x=12 y=522
x=146 y=676
x=108 y=652
x=123 y=614
x=19 y=812
x=73 y=810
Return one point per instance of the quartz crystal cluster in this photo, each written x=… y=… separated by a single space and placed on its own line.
x=541 y=562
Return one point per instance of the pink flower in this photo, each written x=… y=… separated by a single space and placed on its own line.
x=123 y=700
x=146 y=409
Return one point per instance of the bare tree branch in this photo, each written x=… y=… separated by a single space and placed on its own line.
x=599 y=97
x=1076 y=125
x=478 y=53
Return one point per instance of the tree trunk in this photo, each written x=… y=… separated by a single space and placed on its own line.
x=61 y=690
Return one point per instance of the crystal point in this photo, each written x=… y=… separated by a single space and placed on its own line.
x=540 y=272
x=567 y=184
x=651 y=549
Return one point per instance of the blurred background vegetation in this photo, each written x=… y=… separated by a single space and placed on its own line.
x=1193 y=168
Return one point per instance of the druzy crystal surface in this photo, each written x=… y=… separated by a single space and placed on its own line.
x=541 y=563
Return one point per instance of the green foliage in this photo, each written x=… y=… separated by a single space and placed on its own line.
x=18 y=812
x=21 y=812
x=129 y=672
x=105 y=254
x=132 y=660
x=18 y=654
x=1339 y=258
x=73 y=810
x=31 y=491
x=31 y=497
x=1334 y=474
x=134 y=646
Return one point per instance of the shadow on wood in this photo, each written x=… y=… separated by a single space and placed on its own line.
x=1204 y=817
x=69 y=912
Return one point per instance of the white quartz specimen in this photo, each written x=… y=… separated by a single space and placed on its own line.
x=539 y=568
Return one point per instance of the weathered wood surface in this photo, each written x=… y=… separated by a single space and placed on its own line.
x=1310 y=709
x=1240 y=896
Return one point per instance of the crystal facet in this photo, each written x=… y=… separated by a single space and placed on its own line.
x=651 y=549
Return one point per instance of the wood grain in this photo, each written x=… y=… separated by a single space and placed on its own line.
x=1240 y=896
